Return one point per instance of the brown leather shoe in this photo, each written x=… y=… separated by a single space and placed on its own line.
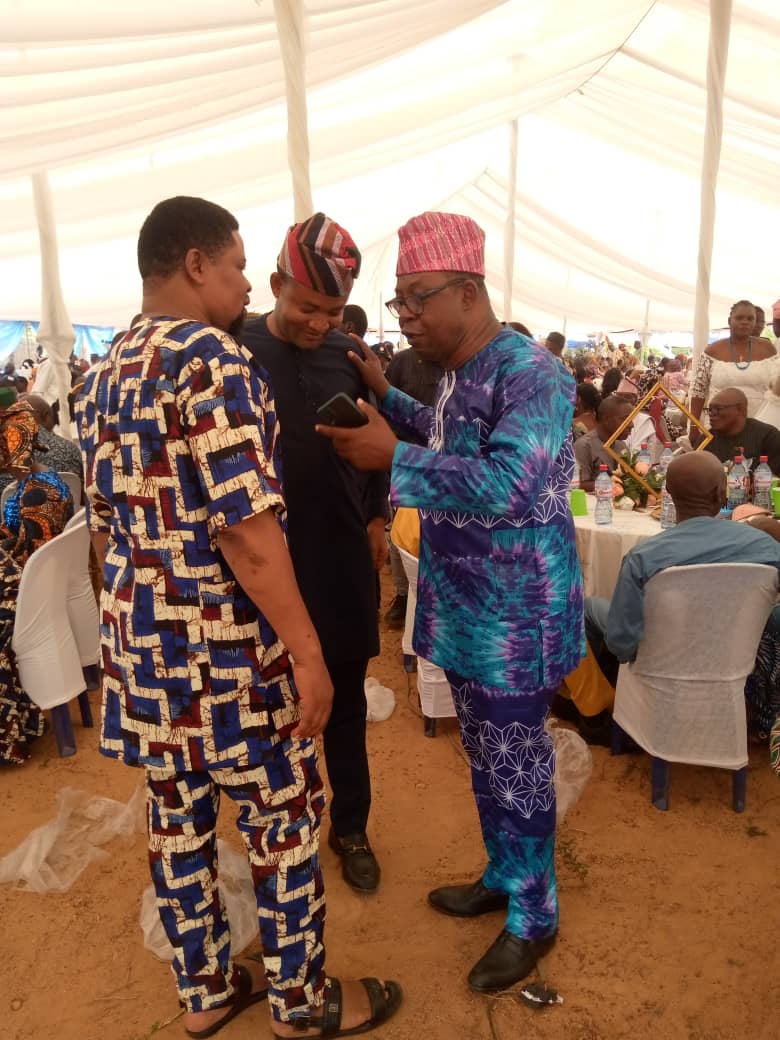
x=509 y=960
x=467 y=900
x=359 y=866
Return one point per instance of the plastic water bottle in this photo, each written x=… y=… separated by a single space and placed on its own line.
x=666 y=457
x=736 y=484
x=603 y=489
x=644 y=455
x=762 y=484
x=668 y=512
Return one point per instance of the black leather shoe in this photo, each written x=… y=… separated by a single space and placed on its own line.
x=359 y=867
x=509 y=960
x=467 y=900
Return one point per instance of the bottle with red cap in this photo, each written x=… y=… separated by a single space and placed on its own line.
x=603 y=489
x=762 y=484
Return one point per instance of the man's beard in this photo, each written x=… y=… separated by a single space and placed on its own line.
x=237 y=327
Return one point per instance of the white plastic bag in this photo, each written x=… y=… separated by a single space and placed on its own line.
x=573 y=766
x=379 y=699
x=53 y=855
x=238 y=894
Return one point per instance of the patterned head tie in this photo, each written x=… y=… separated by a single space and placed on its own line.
x=441 y=242
x=320 y=255
x=18 y=430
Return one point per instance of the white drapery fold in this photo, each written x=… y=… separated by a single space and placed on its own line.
x=55 y=333
x=290 y=19
x=126 y=104
x=510 y=229
x=720 y=32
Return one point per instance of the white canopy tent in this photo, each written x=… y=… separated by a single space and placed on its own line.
x=410 y=107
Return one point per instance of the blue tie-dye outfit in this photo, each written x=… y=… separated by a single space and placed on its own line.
x=499 y=593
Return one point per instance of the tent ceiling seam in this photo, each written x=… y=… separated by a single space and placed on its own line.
x=579 y=89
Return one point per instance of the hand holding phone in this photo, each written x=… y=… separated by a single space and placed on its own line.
x=341 y=410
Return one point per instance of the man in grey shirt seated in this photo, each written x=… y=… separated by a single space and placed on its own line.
x=589 y=449
x=697 y=484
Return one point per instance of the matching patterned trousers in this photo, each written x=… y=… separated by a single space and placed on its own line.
x=512 y=765
x=280 y=802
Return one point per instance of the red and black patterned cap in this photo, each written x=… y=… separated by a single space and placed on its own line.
x=320 y=254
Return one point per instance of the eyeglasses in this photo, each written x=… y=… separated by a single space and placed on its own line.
x=415 y=302
x=716 y=409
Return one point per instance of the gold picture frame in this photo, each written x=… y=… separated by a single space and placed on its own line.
x=622 y=464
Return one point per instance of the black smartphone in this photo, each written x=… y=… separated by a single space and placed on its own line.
x=341 y=410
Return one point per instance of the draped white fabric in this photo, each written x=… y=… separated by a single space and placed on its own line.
x=409 y=107
x=55 y=332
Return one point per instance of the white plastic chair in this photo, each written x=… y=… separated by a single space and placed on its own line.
x=82 y=607
x=682 y=699
x=55 y=632
x=73 y=480
x=76 y=518
x=432 y=685
x=8 y=490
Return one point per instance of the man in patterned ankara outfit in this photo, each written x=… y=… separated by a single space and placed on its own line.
x=214 y=680
x=499 y=596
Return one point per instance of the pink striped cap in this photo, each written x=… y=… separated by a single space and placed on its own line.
x=441 y=242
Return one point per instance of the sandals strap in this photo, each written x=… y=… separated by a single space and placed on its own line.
x=377 y=995
x=382 y=999
x=331 y=1009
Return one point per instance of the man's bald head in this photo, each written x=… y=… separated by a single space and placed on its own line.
x=697 y=484
x=41 y=409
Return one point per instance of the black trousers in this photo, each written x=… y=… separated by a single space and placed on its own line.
x=346 y=756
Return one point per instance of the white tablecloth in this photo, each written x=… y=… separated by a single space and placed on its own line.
x=602 y=548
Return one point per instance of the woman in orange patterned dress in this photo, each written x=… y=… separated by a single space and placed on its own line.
x=36 y=512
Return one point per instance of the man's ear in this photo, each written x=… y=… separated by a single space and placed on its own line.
x=276 y=282
x=194 y=265
x=469 y=294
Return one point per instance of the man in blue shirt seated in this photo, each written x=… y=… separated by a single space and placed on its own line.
x=697 y=484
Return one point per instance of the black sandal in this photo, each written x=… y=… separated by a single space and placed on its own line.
x=241 y=998
x=385 y=1000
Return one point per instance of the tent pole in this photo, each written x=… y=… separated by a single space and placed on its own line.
x=509 y=228
x=55 y=332
x=717 y=58
x=290 y=30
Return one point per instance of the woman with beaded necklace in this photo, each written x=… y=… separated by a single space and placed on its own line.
x=34 y=514
x=742 y=360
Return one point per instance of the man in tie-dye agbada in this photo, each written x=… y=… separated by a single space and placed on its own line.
x=499 y=595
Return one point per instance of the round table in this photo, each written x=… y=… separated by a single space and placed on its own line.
x=601 y=547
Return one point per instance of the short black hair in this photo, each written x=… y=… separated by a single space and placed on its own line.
x=612 y=405
x=177 y=225
x=611 y=381
x=741 y=303
x=356 y=316
x=589 y=396
x=557 y=339
x=519 y=327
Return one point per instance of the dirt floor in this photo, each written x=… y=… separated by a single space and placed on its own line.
x=668 y=920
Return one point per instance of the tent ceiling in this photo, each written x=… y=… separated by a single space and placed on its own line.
x=408 y=103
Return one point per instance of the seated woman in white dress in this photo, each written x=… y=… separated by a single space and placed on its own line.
x=742 y=360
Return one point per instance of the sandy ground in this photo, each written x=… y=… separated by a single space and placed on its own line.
x=668 y=920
